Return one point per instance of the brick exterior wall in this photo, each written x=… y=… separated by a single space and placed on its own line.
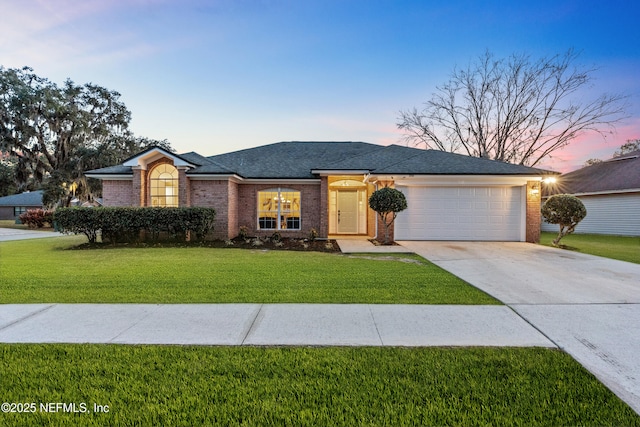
x=310 y=195
x=533 y=212
x=236 y=205
x=119 y=193
x=214 y=194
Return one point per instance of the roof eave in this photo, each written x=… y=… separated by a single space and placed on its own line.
x=605 y=192
x=327 y=172
x=110 y=176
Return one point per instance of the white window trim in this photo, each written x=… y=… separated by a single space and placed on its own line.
x=279 y=191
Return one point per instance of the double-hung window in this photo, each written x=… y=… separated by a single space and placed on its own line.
x=279 y=209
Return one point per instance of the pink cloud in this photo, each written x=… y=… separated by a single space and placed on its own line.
x=591 y=146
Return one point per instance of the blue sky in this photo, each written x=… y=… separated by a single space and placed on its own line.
x=220 y=75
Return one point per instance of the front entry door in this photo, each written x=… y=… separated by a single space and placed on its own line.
x=347 y=212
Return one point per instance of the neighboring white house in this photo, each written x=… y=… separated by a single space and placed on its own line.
x=610 y=191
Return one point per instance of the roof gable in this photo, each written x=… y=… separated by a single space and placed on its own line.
x=152 y=154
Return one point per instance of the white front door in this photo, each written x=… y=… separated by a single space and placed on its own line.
x=347 y=212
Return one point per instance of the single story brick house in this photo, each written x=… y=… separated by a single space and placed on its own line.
x=610 y=190
x=294 y=187
x=11 y=207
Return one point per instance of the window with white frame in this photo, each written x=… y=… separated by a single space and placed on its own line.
x=279 y=209
x=164 y=186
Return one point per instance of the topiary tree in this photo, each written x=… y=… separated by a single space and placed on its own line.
x=387 y=202
x=566 y=211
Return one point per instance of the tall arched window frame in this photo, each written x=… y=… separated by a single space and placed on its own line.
x=279 y=209
x=164 y=186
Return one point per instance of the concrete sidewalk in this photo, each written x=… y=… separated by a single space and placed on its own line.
x=268 y=324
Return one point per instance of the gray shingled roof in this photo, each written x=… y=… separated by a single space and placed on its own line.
x=112 y=170
x=619 y=173
x=294 y=159
x=395 y=159
x=285 y=159
x=32 y=198
x=191 y=157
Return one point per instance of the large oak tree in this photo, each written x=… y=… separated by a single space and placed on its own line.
x=517 y=109
x=56 y=133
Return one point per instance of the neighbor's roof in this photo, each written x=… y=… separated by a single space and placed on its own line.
x=616 y=174
x=303 y=160
x=29 y=198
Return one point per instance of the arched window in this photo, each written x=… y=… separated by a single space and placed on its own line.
x=279 y=209
x=164 y=186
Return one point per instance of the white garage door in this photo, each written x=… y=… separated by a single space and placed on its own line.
x=461 y=213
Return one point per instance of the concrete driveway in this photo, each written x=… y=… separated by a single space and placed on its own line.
x=588 y=306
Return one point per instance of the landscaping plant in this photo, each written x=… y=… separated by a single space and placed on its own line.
x=387 y=202
x=37 y=218
x=566 y=211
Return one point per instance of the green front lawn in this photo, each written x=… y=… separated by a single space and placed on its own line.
x=46 y=270
x=616 y=247
x=167 y=385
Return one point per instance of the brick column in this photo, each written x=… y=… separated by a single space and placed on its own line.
x=324 y=207
x=533 y=211
x=184 y=199
x=139 y=187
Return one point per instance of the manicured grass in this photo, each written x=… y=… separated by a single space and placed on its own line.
x=45 y=270
x=156 y=385
x=615 y=247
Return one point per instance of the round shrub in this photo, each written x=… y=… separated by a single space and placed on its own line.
x=566 y=211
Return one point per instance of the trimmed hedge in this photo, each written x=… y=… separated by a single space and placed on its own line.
x=135 y=224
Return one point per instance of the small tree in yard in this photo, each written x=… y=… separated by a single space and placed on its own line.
x=387 y=202
x=566 y=211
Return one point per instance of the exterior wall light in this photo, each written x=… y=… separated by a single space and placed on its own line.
x=535 y=188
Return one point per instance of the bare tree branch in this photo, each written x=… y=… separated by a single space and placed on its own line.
x=515 y=110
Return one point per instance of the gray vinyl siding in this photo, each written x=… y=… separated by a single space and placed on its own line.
x=615 y=214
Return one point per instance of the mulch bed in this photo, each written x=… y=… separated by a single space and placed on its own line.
x=289 y=244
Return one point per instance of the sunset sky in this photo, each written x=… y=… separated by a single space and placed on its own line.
x=221 y=75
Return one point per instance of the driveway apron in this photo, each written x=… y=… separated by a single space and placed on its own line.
x=587 y=305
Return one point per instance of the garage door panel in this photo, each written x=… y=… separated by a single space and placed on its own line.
x=460 y=213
